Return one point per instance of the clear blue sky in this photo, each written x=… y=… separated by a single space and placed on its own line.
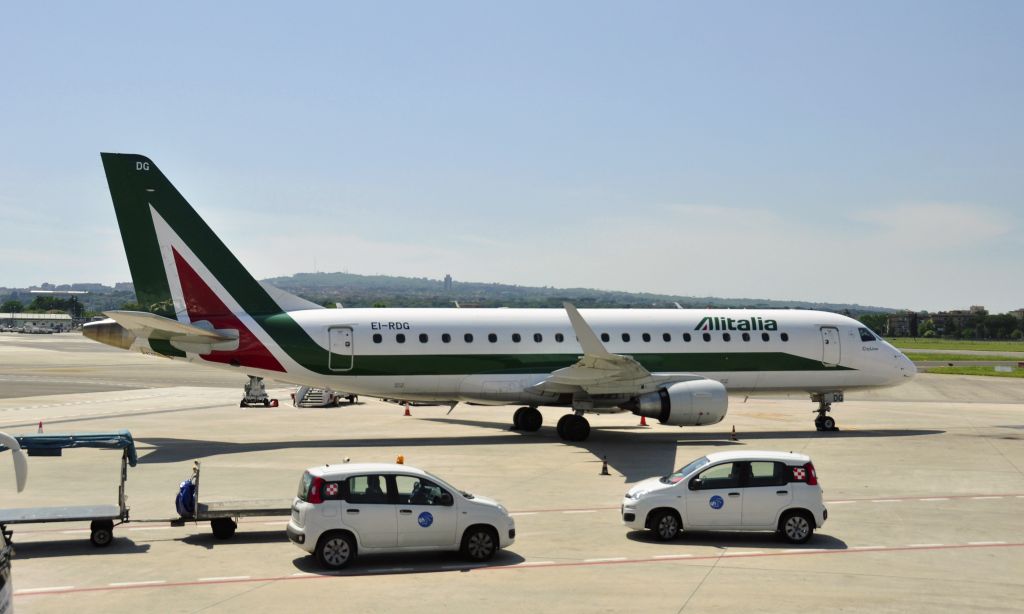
x=868 y=152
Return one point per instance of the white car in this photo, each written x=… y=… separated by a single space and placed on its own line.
x=731 y=491
x=354 y=508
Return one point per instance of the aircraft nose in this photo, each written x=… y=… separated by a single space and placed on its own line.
x=906 y=367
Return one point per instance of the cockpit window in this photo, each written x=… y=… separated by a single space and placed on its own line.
x=867 y=335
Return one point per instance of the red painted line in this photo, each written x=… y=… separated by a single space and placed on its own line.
x=471 y=568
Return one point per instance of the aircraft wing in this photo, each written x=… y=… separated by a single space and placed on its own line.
x=598 y=371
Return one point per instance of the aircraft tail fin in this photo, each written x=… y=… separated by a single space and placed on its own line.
x=179 y=267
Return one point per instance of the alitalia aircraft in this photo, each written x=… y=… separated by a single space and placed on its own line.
x=673 y=365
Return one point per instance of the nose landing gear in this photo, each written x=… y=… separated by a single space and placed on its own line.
x=825 y=422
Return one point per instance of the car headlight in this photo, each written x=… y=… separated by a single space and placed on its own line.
x=636 y=494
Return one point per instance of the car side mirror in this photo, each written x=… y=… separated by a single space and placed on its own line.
x=446 y=499
x=695 y=484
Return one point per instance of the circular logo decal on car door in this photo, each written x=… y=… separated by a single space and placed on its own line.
x=716 y=502
x=425 y=519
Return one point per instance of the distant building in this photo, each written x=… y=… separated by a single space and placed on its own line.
x=125 y=286
x=447 y=283
x=1017 y=313
x=50 y=321
x=901 y=325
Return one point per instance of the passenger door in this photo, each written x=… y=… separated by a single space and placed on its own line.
x=368 y=511
x=767 y=492
x=426 y=513
x=715 y=498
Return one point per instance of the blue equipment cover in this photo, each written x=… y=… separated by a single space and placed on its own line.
x=51 y=445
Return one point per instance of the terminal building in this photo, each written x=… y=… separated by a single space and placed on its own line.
x=52 y=322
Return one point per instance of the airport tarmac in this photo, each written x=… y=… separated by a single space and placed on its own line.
x=924 y=485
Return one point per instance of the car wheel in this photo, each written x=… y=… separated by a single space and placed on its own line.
x=666 y=525
x=796 y=527
x=479 y=544
x=223 y=528
x=335 y=550
x=101 y=533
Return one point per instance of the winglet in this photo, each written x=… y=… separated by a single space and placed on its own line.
x=20 y=462
x=589 y=341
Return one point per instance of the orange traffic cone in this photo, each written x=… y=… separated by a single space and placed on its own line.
x=643 y=420
x=734 y=433
x=40 y=429
x=400 y=460
x=407 y=412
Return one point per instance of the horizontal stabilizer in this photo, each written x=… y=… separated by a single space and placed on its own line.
x=145 y=324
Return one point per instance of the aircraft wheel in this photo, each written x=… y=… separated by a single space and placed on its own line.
x=517 y=419
x=531 y=420
x=573 y=428
x=828 y=424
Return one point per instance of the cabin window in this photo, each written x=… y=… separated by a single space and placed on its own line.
x=625 y=337
x=666 y=337
x=468 y=337
x=559 y=337
x=424 y=338
x=765 y=337
x=538 y=337
x=377 y=338
x=784 y=336
x=492 y=338
x=726 y=337
x=647 y=337
x=516 y=338
x=605 y=337
x=446 y=338
x=746 y=336
x=707 y=336
x=400 y=337
x=687 y=337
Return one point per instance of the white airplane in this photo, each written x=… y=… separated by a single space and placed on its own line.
x=673 y=365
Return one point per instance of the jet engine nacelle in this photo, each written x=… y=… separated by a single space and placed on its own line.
x=693 y=403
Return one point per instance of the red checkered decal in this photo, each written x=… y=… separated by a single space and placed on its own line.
x=799 y=474
x=331 y=489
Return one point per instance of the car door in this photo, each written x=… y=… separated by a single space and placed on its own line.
x=369 y=512
x=714 y=499
x=765 y=494
x=426 y=513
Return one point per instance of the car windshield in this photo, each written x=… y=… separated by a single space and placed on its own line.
x=304 y=483
x=675 y=476
x=443 y=483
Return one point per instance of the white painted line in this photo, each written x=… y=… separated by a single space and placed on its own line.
x=1020 y=496
x=984 y=543
x=606 y=560
x=532 y=563
x=984 y=498
x=141 y=583
x=923 y=545
x=672 y=556
x=223 y=578
x=522 y=513
x=885 y=500
x=302 y=574
x=45 y=589
x=579 y=511
x=744 y=553
x=935 y=499
x=838 y=502
x=868 y=548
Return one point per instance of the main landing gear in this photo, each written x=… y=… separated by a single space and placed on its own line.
x=527 y=419
x=573 y=427
x=825 y=422
x=256 y=394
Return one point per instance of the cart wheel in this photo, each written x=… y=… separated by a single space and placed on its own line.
x=102 y=533
x=223 y=528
